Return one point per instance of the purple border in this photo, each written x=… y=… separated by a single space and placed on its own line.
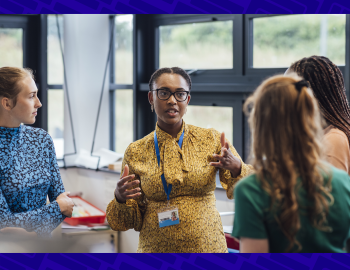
x=302 y=261
x=173 y=6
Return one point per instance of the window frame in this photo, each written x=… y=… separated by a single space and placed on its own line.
x=205 y=75
x=212 y=86
x=34 y=53
x=248 y=57
x=51 y=87
x=113 y=87
x=7 y=21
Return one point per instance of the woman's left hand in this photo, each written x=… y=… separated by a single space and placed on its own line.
x=227 y=160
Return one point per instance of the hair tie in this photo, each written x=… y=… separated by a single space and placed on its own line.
x=300 y=84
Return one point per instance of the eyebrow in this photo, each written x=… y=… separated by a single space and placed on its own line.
x=166 y=88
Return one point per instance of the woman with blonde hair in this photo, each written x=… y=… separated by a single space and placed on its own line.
x=294 y=202
x=28 y=167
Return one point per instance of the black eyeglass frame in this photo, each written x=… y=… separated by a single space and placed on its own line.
x=171 y=93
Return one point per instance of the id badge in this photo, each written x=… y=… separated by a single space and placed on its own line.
x=168 y=217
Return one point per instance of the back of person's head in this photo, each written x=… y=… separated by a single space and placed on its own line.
x=286 y=131
x=327 y=83
x=10 y=77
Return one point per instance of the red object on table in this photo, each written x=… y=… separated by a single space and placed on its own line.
x=73 y=221
x=231 y=242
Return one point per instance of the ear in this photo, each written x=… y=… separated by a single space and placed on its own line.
x=150 y=97
x=188 y=98
x=6 y=103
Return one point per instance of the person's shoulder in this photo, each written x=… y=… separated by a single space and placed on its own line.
x=250 y=188
x=335 y=135
x=140 y=145
x=249 y=182
x=339 y=177
x=36 y=133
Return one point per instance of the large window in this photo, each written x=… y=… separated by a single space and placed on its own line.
x=55 y=117
x=121 y=84
x=11 y=47
x=123 y=49
x=227 y=57
x=123 y=119
x=219 y=118
x=192 y=46
x=279 y=41
x=55 y=80
x=54 y=57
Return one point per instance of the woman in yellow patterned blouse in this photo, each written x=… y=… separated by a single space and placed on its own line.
x=188 y=171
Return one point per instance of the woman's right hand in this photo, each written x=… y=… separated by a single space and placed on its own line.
x=66 y=204
x=124 y=188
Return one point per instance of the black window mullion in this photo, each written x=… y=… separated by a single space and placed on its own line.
x=55 y=86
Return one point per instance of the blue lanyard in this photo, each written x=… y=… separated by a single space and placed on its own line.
x=167 y=189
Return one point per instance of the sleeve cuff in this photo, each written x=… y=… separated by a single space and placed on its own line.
x=232 y=181
x=122 y=206
x=57 y=211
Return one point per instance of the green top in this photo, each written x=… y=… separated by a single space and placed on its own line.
x=253 y=218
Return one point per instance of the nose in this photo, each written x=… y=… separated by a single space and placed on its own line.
x=38 y=103
x=172 y=99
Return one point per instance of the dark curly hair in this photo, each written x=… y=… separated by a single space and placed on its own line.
x=173 y=70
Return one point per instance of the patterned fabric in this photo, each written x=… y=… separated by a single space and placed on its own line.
x=28 y=173
x=193 y=180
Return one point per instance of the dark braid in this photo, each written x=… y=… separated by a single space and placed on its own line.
x=327 y=83
x=173 y=70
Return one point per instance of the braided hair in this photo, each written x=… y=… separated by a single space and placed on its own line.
x=327 y=83
x=173 y=70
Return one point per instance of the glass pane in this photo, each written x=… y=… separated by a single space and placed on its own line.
x=55 y=110
x=123 y=49
x=281 y=40
x=220 y=118
x=11 y=49
x=124 y=119
x=54 y=57
x=205 y=45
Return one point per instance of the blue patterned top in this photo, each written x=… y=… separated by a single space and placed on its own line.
x=28 y=173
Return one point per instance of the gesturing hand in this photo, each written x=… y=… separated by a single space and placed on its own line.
x=65 y=203
x=121 y=192
x=227 y=160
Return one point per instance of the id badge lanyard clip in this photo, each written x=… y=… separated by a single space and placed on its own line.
x=167 y=188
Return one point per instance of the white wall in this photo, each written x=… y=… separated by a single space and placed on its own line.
x=98 y=188
x=86 y=44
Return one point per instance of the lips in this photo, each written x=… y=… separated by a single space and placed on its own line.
x=35 y=113
x=172 y=112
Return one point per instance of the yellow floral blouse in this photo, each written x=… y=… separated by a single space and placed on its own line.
x=193 y=180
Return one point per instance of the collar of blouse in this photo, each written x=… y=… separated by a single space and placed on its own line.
x=9 y=133
x=172 y=158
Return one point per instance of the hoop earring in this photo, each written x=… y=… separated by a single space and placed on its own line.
x=152 y=108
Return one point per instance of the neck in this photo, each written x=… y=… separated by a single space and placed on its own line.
x=172 y=129
x=7 y=120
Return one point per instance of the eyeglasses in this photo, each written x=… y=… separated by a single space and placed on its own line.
x=164 y=94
